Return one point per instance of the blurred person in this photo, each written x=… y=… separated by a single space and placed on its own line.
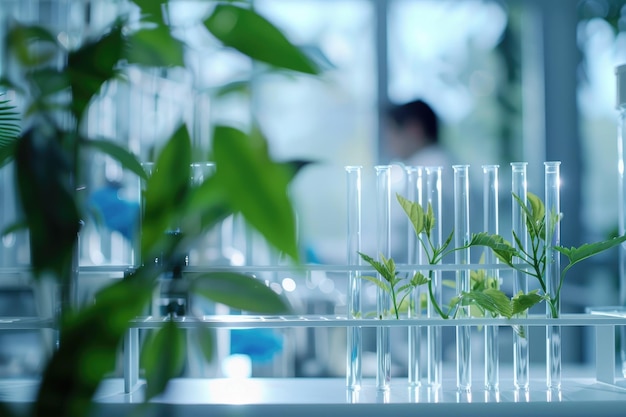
x=413 y=139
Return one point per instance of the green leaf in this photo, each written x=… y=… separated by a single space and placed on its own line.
x=205 y=340
x=89 y=347
x=522 y=302
x=419 y=279
x=166 y=191
x=503 y=250
x=492 y=300
x=589 y=249
x=383 y=285
x=32 y=45
x=206 y=206
x=163 y=357
x=48 y=82
x=256 y=186
x=253 y=35
x=93 y=64
x=43 y=172
x=380 y=267
x=414 y=211
x=239 y=291
x=151 y=10
x=128 y=160
x=155 y=47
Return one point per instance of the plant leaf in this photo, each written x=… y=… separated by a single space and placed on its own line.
x=84 y=356
x=256 y=186
x=500 y=247
x=253 y=35
x=93 y=64
x=589 y=249
x=163 y=357
x=522 y=302
x=205 y=339
x=155 y=47
x=492 y=300
x=42 y=172
x=239 y=291
x=383 y=285
x=120 y=154
x=419 y=279
x=21 y=39
x=415 y=213
x=166 y=191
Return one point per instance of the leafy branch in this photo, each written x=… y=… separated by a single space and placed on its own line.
x=532 y=261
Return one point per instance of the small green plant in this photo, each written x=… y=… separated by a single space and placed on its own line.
x=488 y=299
x=532 y=261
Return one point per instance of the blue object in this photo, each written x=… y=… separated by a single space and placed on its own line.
x=259 y=344
x=117 y=214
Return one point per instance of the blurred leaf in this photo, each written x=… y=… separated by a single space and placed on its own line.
x=206 y=341
x=166 y=191
x=256 y=186
x=128 y=160
x=49 y=81
x=89 y=346
x=414 y=211
x=43 y=173
x=253 y=35
x=32 y=45
x=5 y=411
x=206 y=206
x=235 y=87
x=239 y=291
x=163 y=357
x=14 y=227
x=93 y=64
x=155 y=47
x=151 y=10
x=383 y=285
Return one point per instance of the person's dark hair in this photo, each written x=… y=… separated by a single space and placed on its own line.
x=417 y=111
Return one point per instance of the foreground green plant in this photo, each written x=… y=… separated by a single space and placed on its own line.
x=47 y=161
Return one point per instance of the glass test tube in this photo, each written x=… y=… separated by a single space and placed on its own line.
x=354 y=335
x=434 y=334
x=383 y=301
x=519 y=188
x=461 y=238
x=490 y=212
x=414 y=256
x=553 y=272
x=620 y=73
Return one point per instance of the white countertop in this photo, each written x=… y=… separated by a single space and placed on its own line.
x=321 y=397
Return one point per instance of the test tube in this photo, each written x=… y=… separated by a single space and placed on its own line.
x=462 y=257
x=383 y=301
x=490 y=211
x=620 y=73
x=353 y=368
x=434 y=334
x=553 y=272
x=519 y=188
x=414 y=256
